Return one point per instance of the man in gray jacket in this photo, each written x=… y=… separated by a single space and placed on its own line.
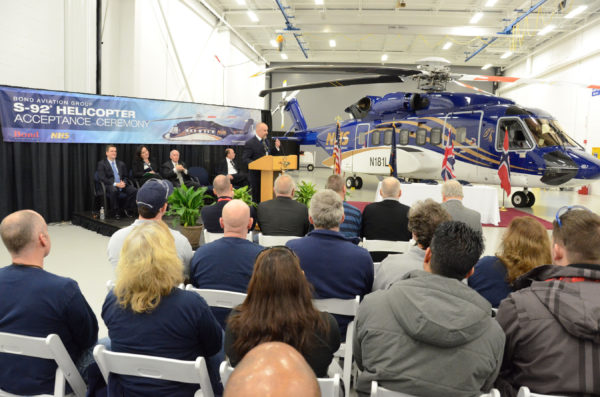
x=552 y=321
x=430 y=334
x=452 y=195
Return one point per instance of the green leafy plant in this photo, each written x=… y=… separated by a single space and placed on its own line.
x=304 y=192
x=185 y=204
x=243 y=194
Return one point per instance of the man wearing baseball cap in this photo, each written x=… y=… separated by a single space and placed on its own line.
x=151 y=202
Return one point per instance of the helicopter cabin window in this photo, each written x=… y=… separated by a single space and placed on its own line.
x=375 y=138
x=387 y=137
x=461 y=135
x=361 y=138
x=421 y=136
x=404 y=134
x=517 y=137
x=436 y=136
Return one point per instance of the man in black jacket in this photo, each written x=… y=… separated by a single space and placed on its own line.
x=112 y=173
x=283 y=216
x=212 y=213
x=228 y=167
x=176 y=171
x=255 y=148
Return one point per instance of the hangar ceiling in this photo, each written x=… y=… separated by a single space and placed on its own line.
x=366 y=31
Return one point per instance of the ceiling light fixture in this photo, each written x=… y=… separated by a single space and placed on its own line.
x=576 y=12
x=506 y=55
x=447 y=45
x=284 y=55
x=491 y=3
x=273 y=43
x=476 y=17
x=252 y=15
x=384 y=57
x=401 y=4
x=546 y=30
x=332 y=43
x=241 y=2
x=486 y=66
x=319 y=2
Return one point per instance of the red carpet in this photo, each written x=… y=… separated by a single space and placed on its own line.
x=505 y=216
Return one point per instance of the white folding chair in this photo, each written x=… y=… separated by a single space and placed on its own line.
x=162 y=368
x=271 y=241
x=345 y=307
x=385 y=246
x=110 y=285
x=51 y=348
x=379 y=391
x=524 y=392
x=219 y=298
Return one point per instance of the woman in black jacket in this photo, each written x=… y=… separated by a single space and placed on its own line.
x=143 y=168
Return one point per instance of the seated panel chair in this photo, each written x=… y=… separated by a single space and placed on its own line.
x=99 y=190
x=194 y=372
x=379 y=391
x=50 y=348
x=200 y=175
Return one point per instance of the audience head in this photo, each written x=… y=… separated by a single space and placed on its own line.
x=390 y=188
x=336 y=183
x=230 y=153
x=326 y=210
x=111 y=152
x=142 y=153
x=284 y=186
x=152 y=198
x=25 y=234
x=525 y=245
x=423 y=218
x=174 y=155
x=452 y=189
x=278 y=306
x=148 y=267
x=222 y=186
x=455 y=248
x=575 y=236
x=273 y=369
x=235 y=219
x=262 y=130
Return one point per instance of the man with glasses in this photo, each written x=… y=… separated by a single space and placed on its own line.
x=552 y=320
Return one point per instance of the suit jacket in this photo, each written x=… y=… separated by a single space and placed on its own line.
x=283 y=216
x=166 y=170
x=254 y=149
x=386 y=220
x=106 y=174
x=459 y=212
x=223 y=169
x=137 y=167
x=211 y=214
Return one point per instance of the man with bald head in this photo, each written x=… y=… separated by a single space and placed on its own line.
x=386 y=219
x=211 y=214
x=283 y=216
x=227 y=263
x=255 y=148
x=175 y=171
x=35 y=302
x=272 y=369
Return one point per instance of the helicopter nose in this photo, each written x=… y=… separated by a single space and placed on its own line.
x=560 y=168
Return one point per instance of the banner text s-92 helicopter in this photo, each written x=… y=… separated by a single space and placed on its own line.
x=541 y=153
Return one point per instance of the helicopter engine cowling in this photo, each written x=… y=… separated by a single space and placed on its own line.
x=391 y=103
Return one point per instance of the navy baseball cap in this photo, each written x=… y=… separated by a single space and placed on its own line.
x=154 y=193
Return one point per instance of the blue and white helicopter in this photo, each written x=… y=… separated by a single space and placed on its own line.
x=541 y=153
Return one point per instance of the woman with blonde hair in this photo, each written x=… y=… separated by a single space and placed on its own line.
x=279 y=308
x=146 y=313
x=525 y=245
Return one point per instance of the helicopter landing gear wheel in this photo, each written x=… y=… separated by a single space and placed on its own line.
x=530 y=199
x=519 y=199
x=350 y=182
x=310 y=167
x=358 y=183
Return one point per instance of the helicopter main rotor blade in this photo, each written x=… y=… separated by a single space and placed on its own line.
x=336 y=83
x=385 y=70
x=460 y=83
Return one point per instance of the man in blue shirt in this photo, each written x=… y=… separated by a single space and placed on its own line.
x=38 y=303
x=352 y=216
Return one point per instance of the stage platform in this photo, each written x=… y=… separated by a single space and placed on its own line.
x=89 y=220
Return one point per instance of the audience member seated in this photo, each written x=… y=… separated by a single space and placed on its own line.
x=352 y=217
x=430 y=334
x=525 y=245
x=35 y=302
x=226 y=263
x=113 y=174
x=279 y=308
x=283 y=216
x=272 y=369
x=387 y=219
x=452 y=195
x=551 y=320
x=146 y=313
x=176 y=171
x=212 y=213
x=228 y=168
x=152 y=205
x=142 y=168
x=334 y=265
x=423 y=218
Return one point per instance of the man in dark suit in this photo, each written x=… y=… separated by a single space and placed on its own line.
x=113 y=173
x=283 y=216
x=255 y=148
x=228 y=167
x=176 y=171
x=212 y=213
x=387 y=219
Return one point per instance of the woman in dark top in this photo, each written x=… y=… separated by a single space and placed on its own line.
x=525 y=245
x=143 y=168
x=279 y=308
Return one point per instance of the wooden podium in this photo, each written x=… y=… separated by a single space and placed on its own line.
x=270 y=167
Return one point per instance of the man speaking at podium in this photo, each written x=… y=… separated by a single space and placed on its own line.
x=255 y=148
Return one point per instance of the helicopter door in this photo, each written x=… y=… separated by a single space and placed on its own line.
x=361 y=141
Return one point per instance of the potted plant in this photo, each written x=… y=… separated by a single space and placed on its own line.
x=243 y=194
x=185 y=204
x=304 y=192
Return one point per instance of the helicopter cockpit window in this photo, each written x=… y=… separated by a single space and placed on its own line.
x=404 y=134
x=375 y=138
x=387 y=137
x=461 y=135
x=436 y=136
x=517 y=136
x=548 y=132
x=421 y=136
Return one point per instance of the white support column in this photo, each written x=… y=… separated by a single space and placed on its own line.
x=80 y=45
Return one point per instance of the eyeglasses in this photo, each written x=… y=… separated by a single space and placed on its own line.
x=281 y=247
x=563 y=210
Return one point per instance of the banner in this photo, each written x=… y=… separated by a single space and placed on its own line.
x=29 y=115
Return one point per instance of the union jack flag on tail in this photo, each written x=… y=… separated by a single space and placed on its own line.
x=337 y=151
x=448 y=162
x=504 y=169
x=393 y=163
